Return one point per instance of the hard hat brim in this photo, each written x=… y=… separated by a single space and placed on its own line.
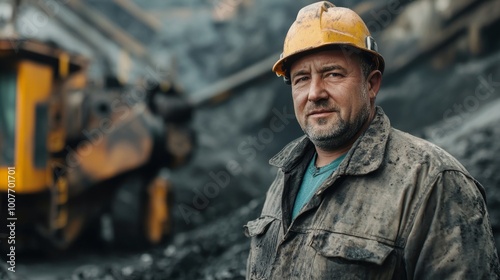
x=283 y=64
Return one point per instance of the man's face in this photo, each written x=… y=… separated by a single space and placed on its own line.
x=332 y=99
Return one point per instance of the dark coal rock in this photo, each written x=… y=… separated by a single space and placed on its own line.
x=217 y=250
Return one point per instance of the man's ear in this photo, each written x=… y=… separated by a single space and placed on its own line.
x=374 y=81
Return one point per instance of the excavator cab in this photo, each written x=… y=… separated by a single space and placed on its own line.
x=78 y=153
x=33 y=76
x=74 y=152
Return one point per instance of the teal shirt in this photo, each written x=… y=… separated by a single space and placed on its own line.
x=312 y=180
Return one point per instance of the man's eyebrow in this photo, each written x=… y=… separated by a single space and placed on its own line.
x=323 y=69
x=330 y=68
x=298 y=73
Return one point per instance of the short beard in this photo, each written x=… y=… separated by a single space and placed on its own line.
x=339 y=136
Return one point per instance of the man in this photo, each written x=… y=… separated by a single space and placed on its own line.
x=355 y=198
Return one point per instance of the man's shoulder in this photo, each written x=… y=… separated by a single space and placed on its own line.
x=415 y=149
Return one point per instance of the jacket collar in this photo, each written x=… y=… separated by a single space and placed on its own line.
x=365 y=156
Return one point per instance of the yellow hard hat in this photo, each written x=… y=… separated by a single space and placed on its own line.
x=323 y=24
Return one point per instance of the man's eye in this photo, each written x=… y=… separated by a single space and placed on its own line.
x=301 y=79
x=335 y=74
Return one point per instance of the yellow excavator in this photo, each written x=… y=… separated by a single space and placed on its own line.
x=72 y=154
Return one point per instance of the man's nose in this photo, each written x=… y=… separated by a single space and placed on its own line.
x=317 y=89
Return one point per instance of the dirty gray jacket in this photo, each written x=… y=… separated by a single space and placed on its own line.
x=398 y=207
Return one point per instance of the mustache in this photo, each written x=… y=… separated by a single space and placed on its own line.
x=321 y=105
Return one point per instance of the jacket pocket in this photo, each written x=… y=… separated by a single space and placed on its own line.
x=258 y=226
x=348 y=248
x=264 y=236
